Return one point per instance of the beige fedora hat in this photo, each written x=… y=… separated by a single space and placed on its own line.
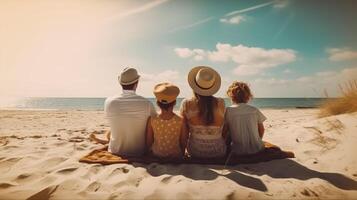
x=204 y=80
x=128 y=76
x=166 y=92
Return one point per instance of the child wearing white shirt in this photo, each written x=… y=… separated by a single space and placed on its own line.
x=243 y=122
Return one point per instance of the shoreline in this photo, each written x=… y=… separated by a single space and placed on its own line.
x=98 y=103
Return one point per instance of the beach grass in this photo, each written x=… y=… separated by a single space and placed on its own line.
x=347 y=103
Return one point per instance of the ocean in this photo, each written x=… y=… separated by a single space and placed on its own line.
x=97 y=103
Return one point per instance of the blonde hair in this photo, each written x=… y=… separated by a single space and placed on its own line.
x=239 y=92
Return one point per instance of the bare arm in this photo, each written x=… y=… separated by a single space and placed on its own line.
x=184 y=136
x=261 y=129
x=149 y=134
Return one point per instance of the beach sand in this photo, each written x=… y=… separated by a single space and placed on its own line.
x=39 y=152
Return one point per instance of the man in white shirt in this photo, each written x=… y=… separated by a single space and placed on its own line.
x=127 y=114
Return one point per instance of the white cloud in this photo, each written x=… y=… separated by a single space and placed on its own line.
x=197 y=54
x=341 y=54
x=165 y=76
x=250 y=60
x=312 y=85
x=233 y=20
x=183 y=52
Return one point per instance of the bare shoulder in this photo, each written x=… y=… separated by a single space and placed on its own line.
x=186 y=103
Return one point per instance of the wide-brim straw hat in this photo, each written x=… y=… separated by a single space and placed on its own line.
x=128 y=76
x=204 y=80
x=166 y=92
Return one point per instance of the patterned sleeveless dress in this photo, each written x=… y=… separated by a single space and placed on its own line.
x=167 y=136
x=204 y=141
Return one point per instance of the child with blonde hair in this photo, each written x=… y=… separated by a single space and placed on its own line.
x=244 y=122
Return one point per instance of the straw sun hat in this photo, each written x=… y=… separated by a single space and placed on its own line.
x=128 y=76
x=166 y=92
x=204 y=80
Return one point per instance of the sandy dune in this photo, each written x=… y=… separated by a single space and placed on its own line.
x=39 y=152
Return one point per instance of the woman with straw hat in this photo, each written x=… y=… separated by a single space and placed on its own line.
x=204 y=114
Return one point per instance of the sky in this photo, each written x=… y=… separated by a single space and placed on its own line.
x=77 y=48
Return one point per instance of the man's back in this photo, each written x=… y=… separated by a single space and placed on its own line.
x=127 y=115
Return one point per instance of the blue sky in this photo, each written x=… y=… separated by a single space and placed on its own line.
x=77 y=48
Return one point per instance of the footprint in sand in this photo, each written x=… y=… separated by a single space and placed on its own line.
x=67 y=170
x=119 y=171
x=55 y=135
x=83 y=145
x=309 y=193
x=23 y=176
x=6 y=185
x=93 y=187
x=77 y=139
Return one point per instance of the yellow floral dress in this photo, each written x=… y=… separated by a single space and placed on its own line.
x=166 y=136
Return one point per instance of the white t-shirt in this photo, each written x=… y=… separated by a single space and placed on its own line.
x=242 y=120
x=127 y=115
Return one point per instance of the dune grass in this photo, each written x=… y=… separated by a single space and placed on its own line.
x=347 y=103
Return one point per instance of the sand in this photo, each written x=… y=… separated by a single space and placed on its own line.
x=39 y=152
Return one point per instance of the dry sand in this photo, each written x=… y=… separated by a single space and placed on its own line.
x=39 y=152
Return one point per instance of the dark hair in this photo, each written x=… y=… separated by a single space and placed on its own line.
x=165 y=106
x=239 y=92
x=129 y=87
x=206 y=106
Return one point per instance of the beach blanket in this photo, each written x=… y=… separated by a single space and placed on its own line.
x=271 y=152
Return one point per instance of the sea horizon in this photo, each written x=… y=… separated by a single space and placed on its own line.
x=97 y=103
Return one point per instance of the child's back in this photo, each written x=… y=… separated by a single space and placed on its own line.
x=242 y=120
x=166 y=133
x=166 y=136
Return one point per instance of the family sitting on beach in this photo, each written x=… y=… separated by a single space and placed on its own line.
x=204 y=128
